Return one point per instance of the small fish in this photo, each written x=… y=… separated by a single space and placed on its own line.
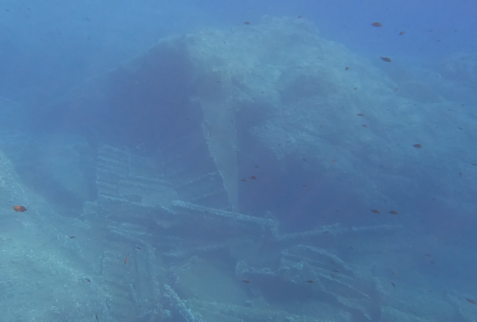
x=355 y=88
x=377 y=24
x=244 y=180
x=310 y=281
x=360 y=114
x=96 y=316
x=89 y=281
x=402 y=33
x=299 y=16
x=347 y=68
x=246 y=281
x=257 y=167
x=253 y=177
x=138 y=248
x=376 y=211
x=393 y=284
x=394 y=212
x=72 y=237
x=386 y=59
x=397 y=88
x=19 y=208
x=334 y=161
x=304 y=159
x=364 y=125
x=246 y=22
x=417 y=146
x=474 y=164
x=471 y=301
x=332 y=276
x=126 y=260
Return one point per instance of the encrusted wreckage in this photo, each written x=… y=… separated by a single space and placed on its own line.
x=164 y=141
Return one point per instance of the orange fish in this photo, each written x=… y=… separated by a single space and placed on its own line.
x=19 y=208
x=417 y=146
x=246 y=22
x=347 y=68
x=246 y=281
x=394 y=212
x=376 y=211
x=471 y=301
x=360 y=114
x=310 y=281
x=377 y=24
x=386 y=59
x=402 y=33
x=126 y=260
x=253 y=177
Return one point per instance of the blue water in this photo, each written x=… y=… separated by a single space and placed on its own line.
x=238 y=160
